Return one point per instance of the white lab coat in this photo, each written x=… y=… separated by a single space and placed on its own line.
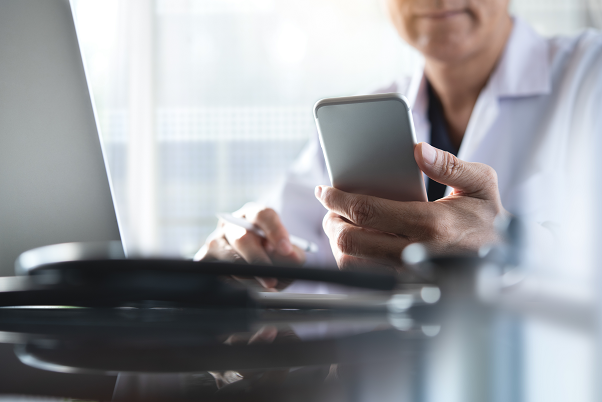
x=543 y=95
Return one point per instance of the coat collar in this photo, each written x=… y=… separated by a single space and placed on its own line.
x=523 y=70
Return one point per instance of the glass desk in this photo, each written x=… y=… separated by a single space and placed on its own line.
x=459 y=350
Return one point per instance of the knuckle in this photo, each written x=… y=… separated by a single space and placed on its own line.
x=237 y=259
x=440 y=231
x=244 y=241
x=345 y=263
x=361 y=211
x=346 y=242
x=452 y=167
x=326 y=225
x=327 y=222
x=489 y=174
x=485 y=178
x=213 y=244
x=427 y=230
x=443 y=232
x=266 y=215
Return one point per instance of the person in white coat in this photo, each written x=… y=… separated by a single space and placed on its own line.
x=501 y=106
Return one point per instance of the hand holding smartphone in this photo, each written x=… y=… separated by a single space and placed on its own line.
x=368 y=143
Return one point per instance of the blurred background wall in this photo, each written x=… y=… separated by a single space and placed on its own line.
x=204 y=103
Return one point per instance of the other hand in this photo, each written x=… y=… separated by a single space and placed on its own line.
x=255 y=378
x=371 y=231
x=232 y=243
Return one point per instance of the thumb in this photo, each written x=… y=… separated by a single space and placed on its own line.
x=466 y=178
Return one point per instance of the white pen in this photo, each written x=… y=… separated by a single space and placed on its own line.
x=303 y=244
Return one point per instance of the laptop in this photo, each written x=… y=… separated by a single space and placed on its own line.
x=54 y=182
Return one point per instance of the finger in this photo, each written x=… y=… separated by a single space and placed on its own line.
x=209 y=249
x=367 y=244
x=296 y=258
x=403 y=218
x=287 y=335
x=268 y=220
x=466 y=178
x=268 y=283
x=226 y=378
x=203 y=254
x=250 y=247
x=266 y=334
x=238 y=338
x=217 y=249
x=247 y=244
x=258 y=284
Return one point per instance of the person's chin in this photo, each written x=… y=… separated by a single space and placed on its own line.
x=442 y=42
x=447 y=51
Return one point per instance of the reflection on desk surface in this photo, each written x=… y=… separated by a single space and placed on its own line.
x=281 y=355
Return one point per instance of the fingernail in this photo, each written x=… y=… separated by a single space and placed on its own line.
x=318 y=192
x=285 y=247
x=429 y=154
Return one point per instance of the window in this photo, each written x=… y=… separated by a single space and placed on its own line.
x=204 y=103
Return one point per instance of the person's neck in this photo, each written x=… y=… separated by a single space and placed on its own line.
x=459 y=84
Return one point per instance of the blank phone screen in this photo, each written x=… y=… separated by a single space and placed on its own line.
x=369 y=148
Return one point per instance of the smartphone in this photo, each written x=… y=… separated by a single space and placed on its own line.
x=368 y=143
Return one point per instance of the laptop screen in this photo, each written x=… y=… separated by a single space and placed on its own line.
x=54 y=186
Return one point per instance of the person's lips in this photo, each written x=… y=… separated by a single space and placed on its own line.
x=441 y=14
